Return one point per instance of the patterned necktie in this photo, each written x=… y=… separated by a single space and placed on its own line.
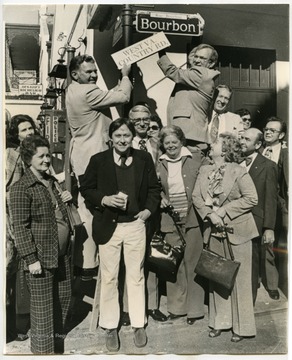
x=142 y=145
x=214 y=128
x=268 y=152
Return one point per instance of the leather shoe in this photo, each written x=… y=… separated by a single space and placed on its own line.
x=125 y=319
x=214 y=333
x=140 y=337
x=112 y=340
x=236 y=338
x=157 y=315
x=172 y=316
x=21 y=337
x=274 y=294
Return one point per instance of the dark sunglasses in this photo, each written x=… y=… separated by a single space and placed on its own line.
x=153 y=127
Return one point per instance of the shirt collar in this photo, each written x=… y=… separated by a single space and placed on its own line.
x=184 y=152
x=117 y=157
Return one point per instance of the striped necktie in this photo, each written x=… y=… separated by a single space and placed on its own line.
x=142 y=145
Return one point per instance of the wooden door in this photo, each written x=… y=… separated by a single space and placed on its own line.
x=251 y=75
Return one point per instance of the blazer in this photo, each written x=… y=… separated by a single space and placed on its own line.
x=283 y=177
x=89 y=125
x=230 y=122
x=265 y=177
x=14 y=167
x=100 y=180
x=190 y=170
x=190 y=100
x=34 y=221
x=238 y=198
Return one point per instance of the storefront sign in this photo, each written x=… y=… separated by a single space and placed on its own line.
x=140 y=50
x=30 y=89
x=169 y=23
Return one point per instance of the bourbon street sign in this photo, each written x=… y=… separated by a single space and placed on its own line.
x=169 y=23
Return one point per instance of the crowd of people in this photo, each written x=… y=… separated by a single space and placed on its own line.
x=215 y=168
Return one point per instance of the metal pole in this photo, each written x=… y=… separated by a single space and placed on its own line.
x=70 y=54
x=127 y=16
x=127 y=23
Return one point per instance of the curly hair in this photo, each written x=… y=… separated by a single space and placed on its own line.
x=172 y=130
x=231 y=148
x=28 y=147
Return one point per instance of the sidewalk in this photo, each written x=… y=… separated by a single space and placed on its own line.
x=176 y=337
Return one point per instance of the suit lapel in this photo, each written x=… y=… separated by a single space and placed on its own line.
x=227 y=182
x=110 y=170
x=256 y=166
x=139 y=165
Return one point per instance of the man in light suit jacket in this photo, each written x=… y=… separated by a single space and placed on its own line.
x=118 y=225
x=86 y=103
x=264 y=175
x=190 y=100
x=223 y=121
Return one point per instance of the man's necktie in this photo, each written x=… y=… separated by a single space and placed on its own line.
x=248 y=160
x=142 y=145
x=214 y=128
x=268 y=152
x=123 y=159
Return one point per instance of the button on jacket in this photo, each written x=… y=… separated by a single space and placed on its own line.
x=33 y=216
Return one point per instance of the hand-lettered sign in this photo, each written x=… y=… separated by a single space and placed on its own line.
x=141 y=50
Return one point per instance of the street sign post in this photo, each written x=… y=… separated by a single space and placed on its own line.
x=169 y=23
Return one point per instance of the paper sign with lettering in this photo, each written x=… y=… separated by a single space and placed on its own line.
x=31 y=89
x=140 y=50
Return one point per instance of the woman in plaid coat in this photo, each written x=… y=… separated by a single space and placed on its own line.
x=40 y=225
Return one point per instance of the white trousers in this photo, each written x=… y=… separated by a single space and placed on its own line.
x=132 y=236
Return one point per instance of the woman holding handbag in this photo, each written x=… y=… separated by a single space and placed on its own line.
x=41 y=232
x=224 y=195
x=177 y=170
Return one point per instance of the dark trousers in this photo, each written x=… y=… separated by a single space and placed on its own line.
x=11 y=332
x=50 y=300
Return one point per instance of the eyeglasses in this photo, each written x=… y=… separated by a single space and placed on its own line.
x=153 y=127
x=246 y=119
x=138 y=121
x=273 y=131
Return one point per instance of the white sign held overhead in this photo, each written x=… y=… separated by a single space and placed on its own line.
x=140 y=50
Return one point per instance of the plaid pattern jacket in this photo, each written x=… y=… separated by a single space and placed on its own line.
x=14 y=167
x=34 y=221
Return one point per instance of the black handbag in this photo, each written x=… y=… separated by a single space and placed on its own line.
x=216 y=267
x=163 y=258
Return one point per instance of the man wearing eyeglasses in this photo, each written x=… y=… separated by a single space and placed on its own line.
x=276 y=150
x=190 y=100
x=140 y=116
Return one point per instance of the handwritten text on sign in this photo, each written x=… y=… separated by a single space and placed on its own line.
x=140 y=50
